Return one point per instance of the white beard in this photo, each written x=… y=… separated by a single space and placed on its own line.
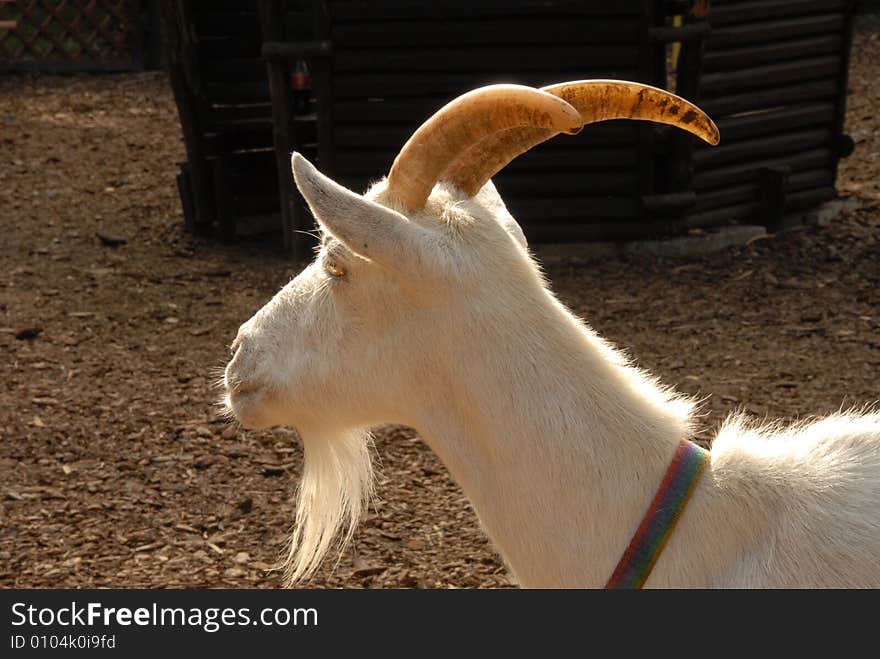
x=334 y=492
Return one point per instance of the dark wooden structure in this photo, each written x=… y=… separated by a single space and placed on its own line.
x=228 y=185
x=771 y=72
x=62 y=36
x=773 y=76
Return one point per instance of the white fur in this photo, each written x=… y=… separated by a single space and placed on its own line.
x=443 y=322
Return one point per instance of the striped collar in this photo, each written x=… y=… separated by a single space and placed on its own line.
x=649 y=539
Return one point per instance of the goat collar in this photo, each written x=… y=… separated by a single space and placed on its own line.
x=649 y=539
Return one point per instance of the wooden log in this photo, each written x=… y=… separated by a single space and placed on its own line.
x=723 y=14
x=376 y=130
x=238 y=93
x=550 y=208
x=292 y=51
x=745 y=172
x=733 y=59
x=211 y=21
x=224 y=143
x=736 y=194
x=391 y=84
x=541 y=28
x=567 y=183
x=403 y=10
x=749 y=213
x=582 y=230
x=231 y=47
x=786 y=72
x=256 y=204
x=763 y=147
x=786 y=95
x=763 y=32
x=235 y=70
x=221 y=114
x=528 y=58
x=772 y=121
x=374 y=164
x=671 y=203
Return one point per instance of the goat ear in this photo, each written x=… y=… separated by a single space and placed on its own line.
x=365 y=227
x=488 y=196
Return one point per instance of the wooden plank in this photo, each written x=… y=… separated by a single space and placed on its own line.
x=375 y=163
x=587 y=228
x=256 y=204
x=741 y=35
x=254 y=172
x=746 y=172
x=769 y=98
x=242 y=22
x=565 y=182
x=769 y=122
x=223 y=48
x=717 y=60
x=403 y=10
x=235 y=69
x=785 y=72
x=238 y=93
x=722 y=15
x=548 y=209
x=225 y=113
x=809 y=198
x=216 y=143
x=563 y=153
x=530 y=58
x=392 y=136
x=245 y=125
x=539 y=29
x=736 y=194
x=394 y=84
x=763 y=147
x=298 y=24
x=750 y=212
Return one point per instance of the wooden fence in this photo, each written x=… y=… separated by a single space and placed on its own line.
x=82 y=35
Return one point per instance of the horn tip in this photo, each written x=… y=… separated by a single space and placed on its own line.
x=713 y=137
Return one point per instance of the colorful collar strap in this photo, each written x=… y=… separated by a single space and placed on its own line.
x=649 y=539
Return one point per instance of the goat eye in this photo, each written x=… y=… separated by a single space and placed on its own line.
x=334 y=269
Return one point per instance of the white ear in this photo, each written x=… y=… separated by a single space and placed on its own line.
x=488 y=195
x=365 y=227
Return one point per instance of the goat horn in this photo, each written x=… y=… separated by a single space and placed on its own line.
x=465 y=121
x=597 y=100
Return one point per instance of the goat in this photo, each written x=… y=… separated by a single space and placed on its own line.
x=424 y=307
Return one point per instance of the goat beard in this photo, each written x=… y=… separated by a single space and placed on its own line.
x=335 y=491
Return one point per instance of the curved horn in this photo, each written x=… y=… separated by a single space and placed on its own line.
x=464 y=122
x=597 y=100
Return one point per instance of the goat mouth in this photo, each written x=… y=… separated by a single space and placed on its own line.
x=246 y=406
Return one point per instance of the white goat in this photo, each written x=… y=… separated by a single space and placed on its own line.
x=424 y=307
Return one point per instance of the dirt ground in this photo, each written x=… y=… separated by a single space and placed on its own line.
x=115 y=468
